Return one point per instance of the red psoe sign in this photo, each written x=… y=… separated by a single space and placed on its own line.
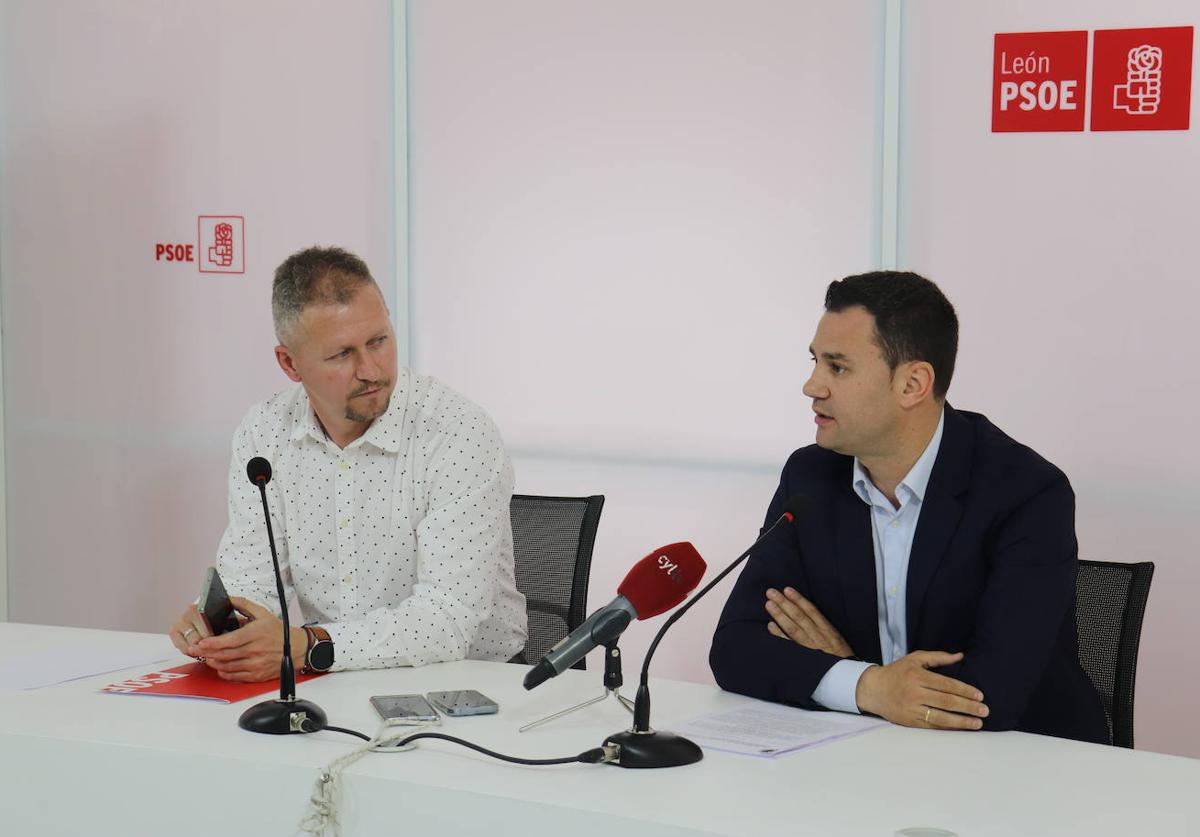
x=1039 y=81
x=1142 y=79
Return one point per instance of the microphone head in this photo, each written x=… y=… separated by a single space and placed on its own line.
x=795 y=507
x=662 y=579
x=258 y=470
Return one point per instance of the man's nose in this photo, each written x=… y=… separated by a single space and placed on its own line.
x=814 y=390
x=368 y=368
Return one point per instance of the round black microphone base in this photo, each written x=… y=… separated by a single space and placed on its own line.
x=283 y=717
x=653 y=749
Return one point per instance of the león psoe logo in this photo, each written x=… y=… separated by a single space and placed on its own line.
x=1142 y=91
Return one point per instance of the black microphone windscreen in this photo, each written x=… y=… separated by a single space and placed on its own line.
x=796 y=505
x=258 y=470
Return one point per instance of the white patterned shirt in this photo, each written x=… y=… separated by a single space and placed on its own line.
x=399 y=545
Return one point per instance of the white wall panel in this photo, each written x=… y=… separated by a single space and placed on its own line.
x=1072 y=261
x=624 y=216
x=624 y=213
x=124 y=378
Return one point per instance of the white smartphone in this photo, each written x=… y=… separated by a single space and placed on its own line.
x=401 y=709
x=464 y=702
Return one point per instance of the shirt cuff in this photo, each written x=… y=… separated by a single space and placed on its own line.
x=836 y=689
x=348 y=654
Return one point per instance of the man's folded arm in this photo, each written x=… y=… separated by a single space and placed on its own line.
x=745 y=658
x=1029 y=592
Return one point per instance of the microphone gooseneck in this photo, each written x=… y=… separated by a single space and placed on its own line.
x=791 y=509
x=287 y=668
x=642 y=747
x=287 y=714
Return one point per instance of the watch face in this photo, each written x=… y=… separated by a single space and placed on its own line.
x=320 y=656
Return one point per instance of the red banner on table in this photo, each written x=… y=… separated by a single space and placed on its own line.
x=1142 y=79
x=1039 y=81
x=195 y=680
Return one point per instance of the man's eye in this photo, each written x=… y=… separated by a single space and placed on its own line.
x=837 y=368
x=344 y=353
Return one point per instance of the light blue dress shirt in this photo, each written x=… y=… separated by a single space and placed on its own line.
x=892 y=530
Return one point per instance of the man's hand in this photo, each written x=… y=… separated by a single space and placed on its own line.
x=796 y=618
x=252 y=653
x=187 y=631
x=907 y=693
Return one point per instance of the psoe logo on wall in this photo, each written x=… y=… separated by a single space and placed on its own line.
x=1039 y=81
x=222 y=243
x=1142 y=79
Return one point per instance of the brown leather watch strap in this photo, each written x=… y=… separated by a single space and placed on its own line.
x=315 y=634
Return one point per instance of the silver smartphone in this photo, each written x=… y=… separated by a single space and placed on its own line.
x=399 y=709
x=464 y=702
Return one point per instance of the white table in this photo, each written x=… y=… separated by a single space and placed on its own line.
x=74 y=761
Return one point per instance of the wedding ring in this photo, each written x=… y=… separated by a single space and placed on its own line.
x=189 y=631
x=927 y=711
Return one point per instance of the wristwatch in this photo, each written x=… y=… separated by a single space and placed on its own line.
x=319 y=656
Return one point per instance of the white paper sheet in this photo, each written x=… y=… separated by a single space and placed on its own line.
x=769 y=730
x=81 y=658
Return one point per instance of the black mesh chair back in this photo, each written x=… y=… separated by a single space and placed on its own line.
x=1110 y=601
x=552 y=548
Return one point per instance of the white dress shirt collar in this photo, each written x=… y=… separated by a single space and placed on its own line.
x=915 y=482
x=384 y=432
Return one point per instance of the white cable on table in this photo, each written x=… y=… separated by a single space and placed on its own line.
x=321 y=816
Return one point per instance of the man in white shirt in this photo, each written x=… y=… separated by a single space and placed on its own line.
x=389 y=500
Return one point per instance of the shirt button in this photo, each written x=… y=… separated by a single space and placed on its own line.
x=347 y=578
x=344 y=522
x=344 y=465
x=892 y=591
x=894 y=523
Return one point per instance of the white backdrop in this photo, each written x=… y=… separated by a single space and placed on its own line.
x=623 y=218
x=124 y=378
x=1072 y=261
x=621 y=212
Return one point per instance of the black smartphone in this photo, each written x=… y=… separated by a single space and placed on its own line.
x=215 y=608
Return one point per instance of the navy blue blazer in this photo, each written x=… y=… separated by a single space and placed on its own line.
x=991 y=574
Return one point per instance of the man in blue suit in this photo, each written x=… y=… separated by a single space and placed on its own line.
x=931 y=580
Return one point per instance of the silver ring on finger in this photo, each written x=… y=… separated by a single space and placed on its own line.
x=189 y=631
x=928 y=709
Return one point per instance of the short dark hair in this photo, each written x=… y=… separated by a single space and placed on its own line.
x=316 y=276
x=913 y=319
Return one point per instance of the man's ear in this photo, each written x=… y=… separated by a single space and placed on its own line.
x=283 y=356
x=916 y=382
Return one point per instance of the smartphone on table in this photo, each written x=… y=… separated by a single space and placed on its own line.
x=403 y=709
x=464 y=702
x=215 y=608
